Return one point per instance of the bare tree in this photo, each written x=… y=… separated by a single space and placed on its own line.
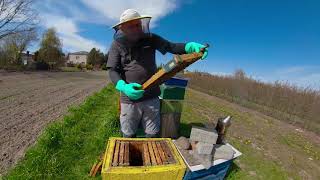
x=13 y=45
x=239 y=74
x=17 y=16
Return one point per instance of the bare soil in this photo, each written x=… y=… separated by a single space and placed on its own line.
x=31 y=100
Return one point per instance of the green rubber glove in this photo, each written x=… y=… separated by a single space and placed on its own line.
x=192 y=47
x=129 y=89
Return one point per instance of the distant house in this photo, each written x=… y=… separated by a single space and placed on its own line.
x=27 y=58
x=78 y=57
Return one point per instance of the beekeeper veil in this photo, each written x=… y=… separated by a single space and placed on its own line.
x=132 y=27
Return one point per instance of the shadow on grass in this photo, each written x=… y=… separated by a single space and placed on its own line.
x=185 y=128
x=233 y=169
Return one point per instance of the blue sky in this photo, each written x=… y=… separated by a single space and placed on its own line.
x=270 y=40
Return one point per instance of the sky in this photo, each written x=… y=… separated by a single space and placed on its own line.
x=269 y=39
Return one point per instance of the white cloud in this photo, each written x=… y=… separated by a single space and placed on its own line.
x=68 y=32
x=62 y=24
x=65 y=16
x=310 y=80
x=300 y=76
x=220 y=73
x=295 y=69
x=74 y=42
x=303 y=76
x=112 y=9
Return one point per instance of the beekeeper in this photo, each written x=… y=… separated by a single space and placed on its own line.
x=131 y=62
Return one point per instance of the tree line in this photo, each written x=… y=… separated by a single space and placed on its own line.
x=19 y=30
x=281 y=100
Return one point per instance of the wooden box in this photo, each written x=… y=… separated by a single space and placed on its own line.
x=142 y=158
x=170 y=125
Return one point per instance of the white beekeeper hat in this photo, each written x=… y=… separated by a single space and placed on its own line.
x=129 y=15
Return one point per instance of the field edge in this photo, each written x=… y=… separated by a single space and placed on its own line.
x=82 y=132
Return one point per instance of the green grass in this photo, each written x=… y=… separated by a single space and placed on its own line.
x=253 y=161
x=252 y=164
x=256 y=166
x=67 y=148
x=298 y=143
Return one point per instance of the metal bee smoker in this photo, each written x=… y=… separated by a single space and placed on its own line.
x=222 y=126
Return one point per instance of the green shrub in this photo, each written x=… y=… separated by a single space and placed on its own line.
x=80 y=66
x=70 y=64
x=104 y=66
x=89 y=67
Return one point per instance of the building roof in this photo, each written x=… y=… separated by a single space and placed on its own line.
x=26 y=53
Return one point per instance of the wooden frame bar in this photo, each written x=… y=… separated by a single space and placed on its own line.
x=116 y=154
x=181 y=61
x=144 y=153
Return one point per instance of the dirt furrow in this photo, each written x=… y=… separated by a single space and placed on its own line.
x=24 y=117
x=33 y=101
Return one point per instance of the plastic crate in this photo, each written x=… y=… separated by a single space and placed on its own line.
x=217 y=172
x=172 y=92
x=135 y=168
x=177 y=81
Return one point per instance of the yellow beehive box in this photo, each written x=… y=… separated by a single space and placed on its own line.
x=142 y=158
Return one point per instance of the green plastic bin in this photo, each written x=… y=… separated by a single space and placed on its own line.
x=172 y=92
x=171 y=106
